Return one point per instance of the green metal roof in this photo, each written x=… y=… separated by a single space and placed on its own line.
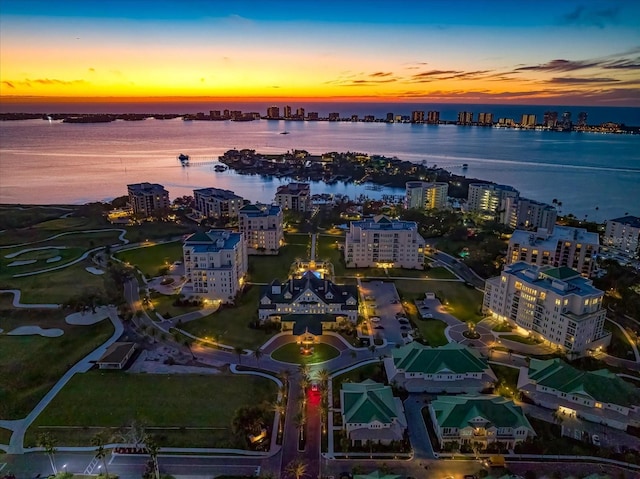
x=601 y=385
x=376 y=475
x=453 y=357
x=368 y=401
x=561 y=273
x=460 y=411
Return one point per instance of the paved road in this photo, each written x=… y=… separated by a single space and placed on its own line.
x=459 y=268
x=422 y=448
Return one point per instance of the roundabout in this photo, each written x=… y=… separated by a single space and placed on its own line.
x=295 y=353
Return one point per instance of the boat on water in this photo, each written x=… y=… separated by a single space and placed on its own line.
x=284 y=132
x=184 y=159
x=220 y=168
x=465 y=166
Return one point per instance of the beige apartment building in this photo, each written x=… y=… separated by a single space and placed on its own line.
x=148 y=199
x=294 y=196
x=216 y=203
x=261 y=227
x=426 y=196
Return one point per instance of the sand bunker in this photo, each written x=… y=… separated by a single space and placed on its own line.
x=33 y=330
x=54 y=259
x=23 y=262
x=87 y=318
x=93 y=270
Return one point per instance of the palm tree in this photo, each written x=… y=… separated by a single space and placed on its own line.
x=304 y=384
x=101 y=453
x=153 y=449
x=279 y=408
x=48 y=443
x=323 y=375
x=239 y=351
x=284 y=376
x=304 y=370
x=296 y=469
x=187 y=341
x=258 y=353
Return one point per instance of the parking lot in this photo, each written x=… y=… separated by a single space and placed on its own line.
x=383 y=302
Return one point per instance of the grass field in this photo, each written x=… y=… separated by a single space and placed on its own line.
x=57 y=286
x=462 y=301
x=290 y=353
x=45 y=229
x=5 y=435
x=619 y=346
x=264 y=269
x=163 y=304
x=520 y=339
x=151 y=259
x=30 y=365
x=433 y=331
x=230 y=325
x=199 y=408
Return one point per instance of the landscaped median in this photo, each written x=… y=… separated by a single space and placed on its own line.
x=179 y=410
x=290 y=353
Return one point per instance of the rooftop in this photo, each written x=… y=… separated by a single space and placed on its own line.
x=632 y=221
x=563 y=281
x=491 y=186
x=293 y=189
x=218 y=193
x=452 y=357
x=257 y=211
x=601 y=385
x=367 y=402
x=545 y=240
x=116 y=352
x=145 y=188
x=382 y=222
x=213 y=240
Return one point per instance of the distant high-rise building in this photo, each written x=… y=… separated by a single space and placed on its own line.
x=354 y=118
x=215 y=114
x=273 y=112
x=390 y=117
x=566 y=120
x=334 y=116
x=294 y=196
x=485 y=119
x=287 y=111
x=528 y=120
x=492 y=201
x=550 y=119
x=582 y=118
x=369 y=118
x=417 y=116
x=313 y=115
x=465 y=118
x=530 y=214
x=433 y=117
x=623 y=234
x=148 y=199
x=216 y=202
x=226 y=114
x=235 y=114
x=300 y=113
x=425 y=196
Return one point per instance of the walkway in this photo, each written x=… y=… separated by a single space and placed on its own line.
x=629 y=338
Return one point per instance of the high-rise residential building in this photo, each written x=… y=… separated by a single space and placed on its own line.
x=273 y=112
x=369 y=118
x=582 y=118
x=287 y=111
x=426 y=196
x=531 y=215
x=433 y=117
x=485 y=118
x=294 y=196
x=574 y=248
x=226 y=113
x=386 y=243
x=148 y=199
x=215 y=265
x=492 y=201
x=550 y=119
x=313 y=115
x=417 y=116
x=623 y=234
x=465 y=118
x=354 y=118
x=566 y=123
x=389 y=118
x=300 y=113
x=528 y=120
x=556 y=305
x=216 y=203
x=215 y=114
x=261 y=227
x=334 y=116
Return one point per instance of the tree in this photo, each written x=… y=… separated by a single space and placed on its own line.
x=372 y=348
x=48 y=443
x=153 y=448
x=279 y=408
x=296 y=469
x=258 y=353
x=323 y=376
x=304 y=370
x=98 y=440
x=239 y=351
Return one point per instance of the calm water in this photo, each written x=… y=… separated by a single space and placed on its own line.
x=43 y=162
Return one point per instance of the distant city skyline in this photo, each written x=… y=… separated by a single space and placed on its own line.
x=569 y=53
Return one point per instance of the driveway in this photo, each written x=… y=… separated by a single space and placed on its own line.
x=387 y=305
x=420 y=442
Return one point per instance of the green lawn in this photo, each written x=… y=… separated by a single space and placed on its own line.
x=619 y=346
x=462 y=301
x=433 y=331
x=507 y=376
x=230 y=324
x=520 y=339
x=45 y=229
x=290 y=353
x=57 y=286
x=5 y=435
x=264 y=269
x=163 y=304
x=151 y=259
x=30 y=365
x=112 y=399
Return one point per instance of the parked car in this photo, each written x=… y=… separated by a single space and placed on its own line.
x=595 y=439
x=378 y=327
x=403 y=321
x=427 y=316
x=375 y=319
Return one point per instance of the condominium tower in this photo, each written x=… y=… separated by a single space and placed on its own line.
x=623 y=234
x=492 y=201
x=294 y=196
x=261 y=228
x=382 y=242
x=148 y=199
x=556 y=305
x=426 y=196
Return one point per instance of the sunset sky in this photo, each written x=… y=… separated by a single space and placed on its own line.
x=569 y=52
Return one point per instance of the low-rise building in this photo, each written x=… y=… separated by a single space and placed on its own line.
x=307 y=304
x=215 y=264
x=623 y=234
x=452 y=368
x=482 y=420
x=426 y=196
x=492 y=201
x=261 y=227
x=370 y=412
x=556 y=305
x=575 y=248
x=117 y=355
x=148 y=199
x=597 y=396
x=294 y=196
x=382 y=242
x=217 y=203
